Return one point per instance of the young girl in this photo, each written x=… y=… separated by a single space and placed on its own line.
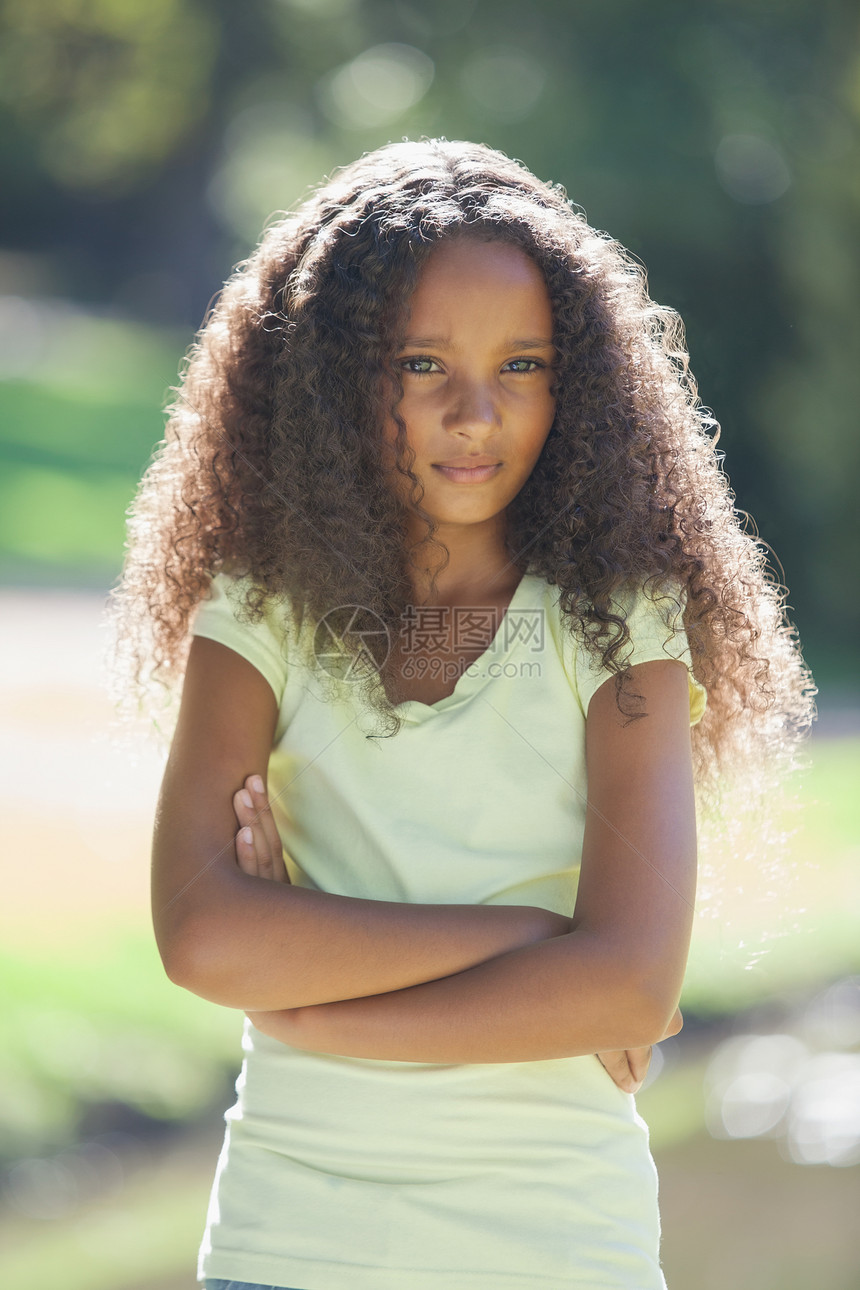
x=438 y=506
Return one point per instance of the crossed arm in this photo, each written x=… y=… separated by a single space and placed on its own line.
x=431 y=983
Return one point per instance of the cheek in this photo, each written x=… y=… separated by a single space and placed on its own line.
x=544 y=417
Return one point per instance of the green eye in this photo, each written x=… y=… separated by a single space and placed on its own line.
x=418 y=366
x=528 y=365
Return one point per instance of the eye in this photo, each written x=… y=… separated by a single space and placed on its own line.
x=418 y=366
x=523 y=366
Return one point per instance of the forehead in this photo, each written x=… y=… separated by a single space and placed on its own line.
x=463 y=276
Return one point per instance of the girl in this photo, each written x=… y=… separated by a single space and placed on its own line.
x=441 y=542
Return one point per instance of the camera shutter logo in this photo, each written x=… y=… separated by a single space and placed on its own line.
x=337 y=634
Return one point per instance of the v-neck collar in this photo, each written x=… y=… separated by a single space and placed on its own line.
x=476 y=675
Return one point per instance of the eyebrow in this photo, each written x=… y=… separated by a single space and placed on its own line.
x=442 y=342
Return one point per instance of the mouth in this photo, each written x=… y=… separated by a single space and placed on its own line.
x=468 y=474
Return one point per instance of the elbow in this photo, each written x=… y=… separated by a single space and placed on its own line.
x=191 y=961
x=205 y=950
x=643 y=1007
x=657 y=1009
x=635 y=1020
x=178 y=946
x=178 y=963
x=657 y=1015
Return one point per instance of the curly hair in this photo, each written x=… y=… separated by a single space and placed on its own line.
x=272 y=462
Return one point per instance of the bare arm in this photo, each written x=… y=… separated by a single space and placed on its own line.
x=250 y=943
x=614 y=981
x=259 y=852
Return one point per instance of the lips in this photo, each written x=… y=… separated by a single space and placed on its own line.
x=468 y=474
x=469 y=463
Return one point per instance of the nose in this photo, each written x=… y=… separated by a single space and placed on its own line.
x=474 y=406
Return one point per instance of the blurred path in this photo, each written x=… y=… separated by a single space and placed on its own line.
x=77 y=808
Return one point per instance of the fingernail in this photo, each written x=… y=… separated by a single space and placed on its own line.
x=247 y=799
x=258 y=785
x=247 y=836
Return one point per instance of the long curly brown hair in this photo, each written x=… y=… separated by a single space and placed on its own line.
x=272 y=462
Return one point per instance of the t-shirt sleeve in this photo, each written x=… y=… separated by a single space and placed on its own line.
x=261 y=643
x=656 y=632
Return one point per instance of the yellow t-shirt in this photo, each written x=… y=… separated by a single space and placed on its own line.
x=352 y=1174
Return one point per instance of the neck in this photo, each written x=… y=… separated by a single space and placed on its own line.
x=479 y=567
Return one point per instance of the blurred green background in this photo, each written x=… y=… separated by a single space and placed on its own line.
x=143 y=146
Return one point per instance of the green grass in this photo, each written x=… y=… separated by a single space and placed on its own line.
x=100 y=1023
x=76 y=433
x=92 y=508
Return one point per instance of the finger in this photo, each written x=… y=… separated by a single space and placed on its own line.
x=255 y=785
x=262 y=842
x=256 y=857
x=243 y=806
x=272 y=847
x=638 y=1060
x=615 y=1065
x=246 y=851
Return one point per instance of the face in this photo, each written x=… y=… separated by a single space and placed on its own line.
x=477 y=372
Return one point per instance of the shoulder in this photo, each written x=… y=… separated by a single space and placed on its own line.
x=238 y=613
x=653 y=613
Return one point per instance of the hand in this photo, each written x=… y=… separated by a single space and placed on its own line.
x=258 y=844
x=629 y=1066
